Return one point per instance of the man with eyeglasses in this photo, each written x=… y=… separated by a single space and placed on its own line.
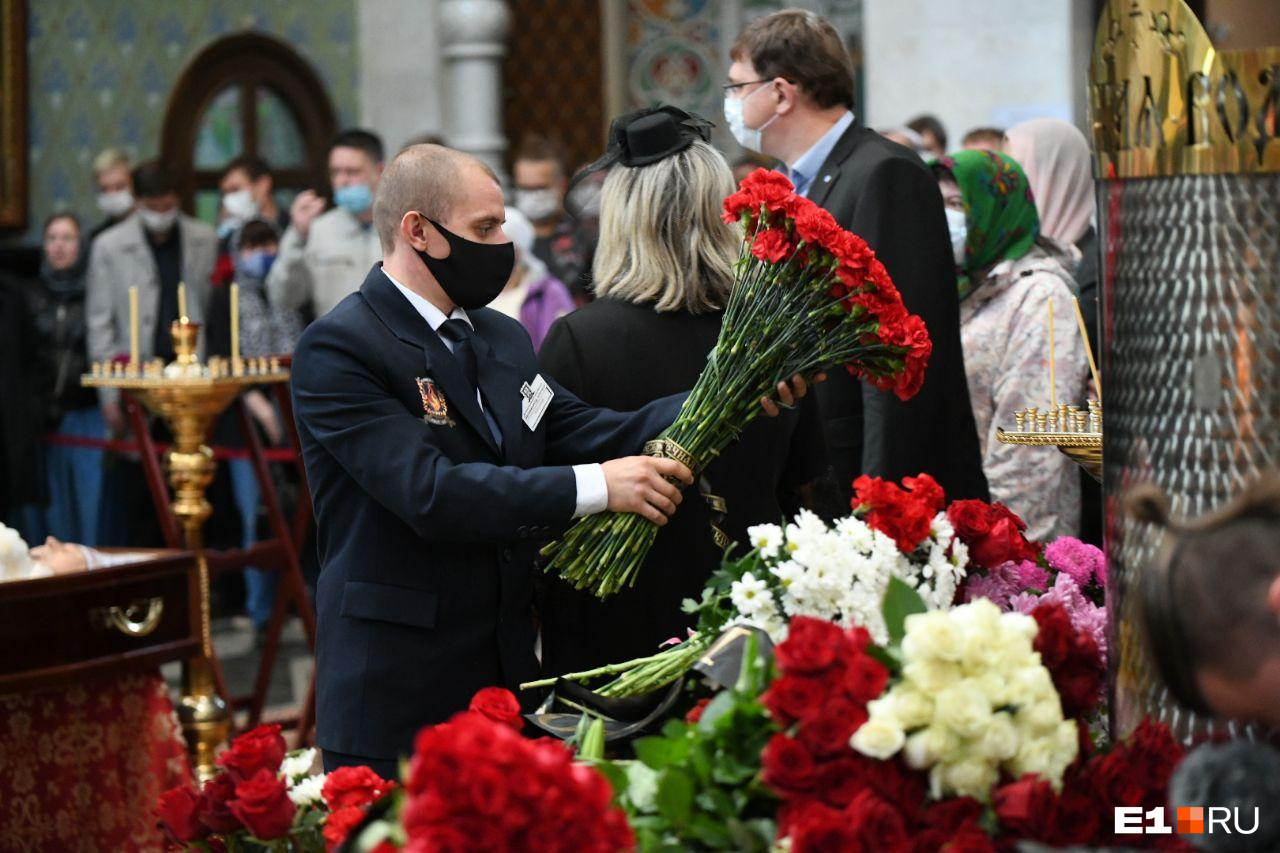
x=790 y=96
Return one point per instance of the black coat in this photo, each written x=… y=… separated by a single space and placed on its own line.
x=621 y=355
x=21 y=412
x=883 y=193
x=427 y=531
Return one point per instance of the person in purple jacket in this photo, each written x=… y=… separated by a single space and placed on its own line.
x=533 y=295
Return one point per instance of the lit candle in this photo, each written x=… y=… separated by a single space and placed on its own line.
x=133 y=326
x=1053 y=385
x=182 y=302
x=235 y=322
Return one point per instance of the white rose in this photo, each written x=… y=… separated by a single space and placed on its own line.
x=878 y=738
x=1041 y=717
x=927 y=747
x=931 y=676
x=965 y=708
x=1037 y=756
x=308 y=791
x=297 y=764
x=972 y=777
x=1000 y=741
x=911 y=707
x=1032 y=683
x=932 y=636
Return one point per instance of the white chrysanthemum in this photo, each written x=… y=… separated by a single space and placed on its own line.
x=308 y=791
x=750 y=595
x=642 y=786
x=765 y=538
x=297 y=764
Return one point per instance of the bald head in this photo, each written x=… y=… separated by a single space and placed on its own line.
x=430 y=179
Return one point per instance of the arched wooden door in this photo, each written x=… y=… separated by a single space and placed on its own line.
x=247 y=94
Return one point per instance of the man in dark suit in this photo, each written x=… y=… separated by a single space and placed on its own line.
x=790 y=96
x=438 y=458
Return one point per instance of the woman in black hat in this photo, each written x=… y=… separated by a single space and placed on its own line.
x=663 y=271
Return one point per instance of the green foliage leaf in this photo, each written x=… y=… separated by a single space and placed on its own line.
x=900 y=601
x=675 y=796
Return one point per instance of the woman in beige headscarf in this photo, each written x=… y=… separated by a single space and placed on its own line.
x=1055 y=156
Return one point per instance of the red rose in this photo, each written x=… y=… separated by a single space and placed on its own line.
x=787 y=766
x=353 y=786
x=695 y=713
x=1076 y=819
x=262 y=748
x=815 y=828
x=865 y=678
x=827 y=731
x=949 y=814
x=176 y=813
x=838 y=781
x=771 y=245
x=339 y=824
x=811 y=646
x=262 y=804
x=879 y=825
x=992 y=532
x=795 y=697
x=1072 y=658
x=970 y=518
x=214 y=809
x=499 y=705
x=1025 y=808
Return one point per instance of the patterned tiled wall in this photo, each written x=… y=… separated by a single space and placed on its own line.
x=99 y=74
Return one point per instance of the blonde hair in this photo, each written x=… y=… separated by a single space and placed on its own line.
x=108 y=159
x=661 y=236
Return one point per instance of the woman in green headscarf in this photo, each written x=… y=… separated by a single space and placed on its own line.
x=1008 y=276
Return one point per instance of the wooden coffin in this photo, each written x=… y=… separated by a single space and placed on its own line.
x=105 y=621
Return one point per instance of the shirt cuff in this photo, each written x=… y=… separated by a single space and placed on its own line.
x=593 y=491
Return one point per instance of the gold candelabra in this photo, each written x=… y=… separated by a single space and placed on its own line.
x=1075 y=432
x=188 y=395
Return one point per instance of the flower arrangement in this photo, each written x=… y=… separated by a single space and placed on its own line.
x=266 y=798
x=974 y=701
x=808 y=296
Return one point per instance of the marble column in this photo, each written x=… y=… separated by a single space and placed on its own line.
x=474 y=36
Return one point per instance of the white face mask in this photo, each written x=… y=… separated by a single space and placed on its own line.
x=958 y=224
x=750 y=138
x=158 y=223
x=240 y=205
x=539 y=205
x=116 y=203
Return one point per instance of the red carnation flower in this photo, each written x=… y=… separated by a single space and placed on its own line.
x=262 y=748
x=771 y=245
x=695 y=713
x=176 y=812
x=339 y=823
x=499 y=705
x=905 y=517
x=262 y=804
x=353 y=786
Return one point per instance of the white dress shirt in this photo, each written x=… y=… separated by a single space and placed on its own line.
x=592 y=490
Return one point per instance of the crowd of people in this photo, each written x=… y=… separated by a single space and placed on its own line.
x=620 y=277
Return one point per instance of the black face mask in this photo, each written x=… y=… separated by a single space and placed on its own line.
x=474 y=273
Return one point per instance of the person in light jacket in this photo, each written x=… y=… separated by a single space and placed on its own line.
x=533 y=295
x=1008 y=276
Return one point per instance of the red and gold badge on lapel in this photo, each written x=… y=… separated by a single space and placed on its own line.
x=435 y=409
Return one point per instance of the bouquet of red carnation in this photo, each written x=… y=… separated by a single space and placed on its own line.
x=808 y=296
x=476 y=784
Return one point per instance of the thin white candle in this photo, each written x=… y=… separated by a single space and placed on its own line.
x=182 y=302
x=133 y=327
x=1053 y=385
x=235 y=322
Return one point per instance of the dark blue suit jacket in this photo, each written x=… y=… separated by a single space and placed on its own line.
x=427 y=531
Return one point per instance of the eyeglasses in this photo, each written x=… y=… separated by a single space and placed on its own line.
x=729 y=87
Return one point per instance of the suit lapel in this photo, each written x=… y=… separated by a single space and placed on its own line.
x=829 y=174
x=407 y=325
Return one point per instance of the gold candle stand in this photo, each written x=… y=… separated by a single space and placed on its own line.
x=1076 y=433
x=189 y=395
